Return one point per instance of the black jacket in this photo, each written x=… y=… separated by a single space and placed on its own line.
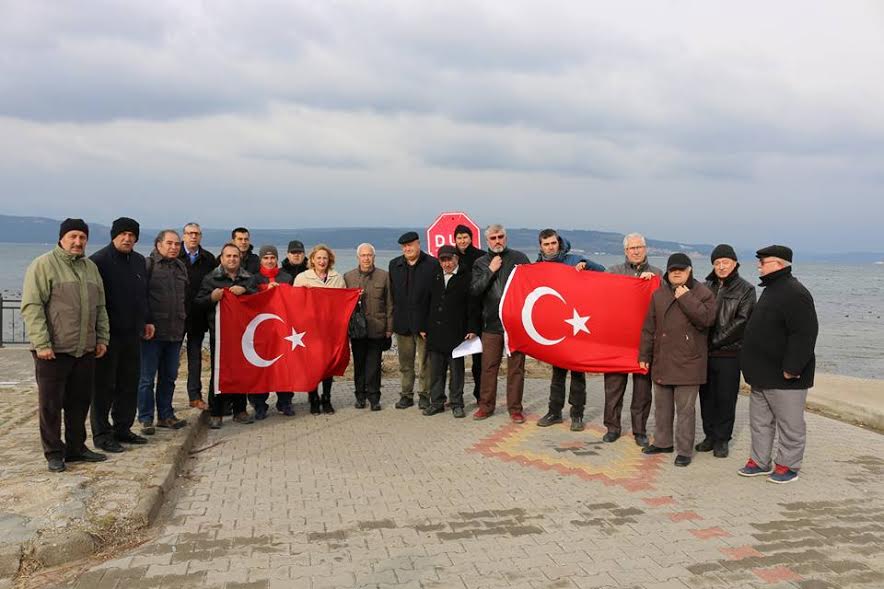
x=488 y=286
x=251 y=263
x=734 y=300
x=781 y=335
x=125 y=289
x=218 y=278
x=468 y=258
x=205 y=262
x=453 y=312
x=410 y=288
x=166 y=297
x=293 y=270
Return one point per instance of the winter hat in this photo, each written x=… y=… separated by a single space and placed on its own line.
x=723 y=250
x=268 y=249
x=463 y=229
x=125 y=224
x=73 y=225
x=678 y=261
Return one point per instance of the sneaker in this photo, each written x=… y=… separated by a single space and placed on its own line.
x=577 y=424
x=404 y=402
x=782 y=475
x=215 y=422
x=517 y=417
x=752 y=469
x=243 y=417
x=458 y=412
x=261 y=413
x=705 y=446
x=481 y=414
x=611 y=437
x=549 y=419
x=147 y=428
x=171 y=423
x=199 y=404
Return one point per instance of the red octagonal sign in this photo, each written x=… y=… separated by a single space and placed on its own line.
x=441 y=232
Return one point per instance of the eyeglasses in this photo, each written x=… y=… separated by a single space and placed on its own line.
x=765 y=261
x=496 y=237
x=636 y=248
x=193 y=233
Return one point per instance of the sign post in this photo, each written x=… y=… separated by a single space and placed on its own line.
x=441 y=231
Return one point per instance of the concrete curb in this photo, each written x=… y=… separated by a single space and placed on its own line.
x=57 y=548
x=844 y=410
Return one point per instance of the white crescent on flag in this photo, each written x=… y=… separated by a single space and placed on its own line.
x=248 y=341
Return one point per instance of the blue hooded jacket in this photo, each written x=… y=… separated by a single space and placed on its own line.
x=565 y=257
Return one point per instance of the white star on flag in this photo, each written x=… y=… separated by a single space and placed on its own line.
x=297 y=339
x=578 y=322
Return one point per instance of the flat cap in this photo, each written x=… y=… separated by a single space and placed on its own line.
x=408 y=237
x=446 y=251
x=775 y=251
x=678 y=261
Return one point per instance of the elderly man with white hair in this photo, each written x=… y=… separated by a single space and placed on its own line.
x=376 y=303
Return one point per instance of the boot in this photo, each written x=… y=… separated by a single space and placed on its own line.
x=326 y=403
x=313 y=398
x=360 y=401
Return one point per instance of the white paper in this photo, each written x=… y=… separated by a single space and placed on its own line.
x=468 y=348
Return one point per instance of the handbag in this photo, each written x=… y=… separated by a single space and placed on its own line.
x=358 y=326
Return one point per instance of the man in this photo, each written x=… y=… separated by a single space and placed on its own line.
x=467 y=254
x=198 y=263
x=735 y=299
x=673 y=345
x=376 y=303
x=778 y=361
x=636 y=265
x=66 y=322
x=251 y=263
x=117 y=374
x=556 y=249
x=411 y=275
x=453 y=318
x=489 y=276
x=166 y=302
x=295 y=261
x=229 y=276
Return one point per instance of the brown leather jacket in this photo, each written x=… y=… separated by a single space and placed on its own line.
x=377 y=301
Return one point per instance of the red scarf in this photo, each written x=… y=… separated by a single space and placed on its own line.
x=270 y=274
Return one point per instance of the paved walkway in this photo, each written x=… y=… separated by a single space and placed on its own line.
x=395 y=499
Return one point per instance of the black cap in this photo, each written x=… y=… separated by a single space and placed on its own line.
x=446 y=251
x=73 y=225
x=295 y=246
x=775 y=251
x=723 y=250
x=463 y=229
x=408 y=237
x=125 y=224
x=678 y=261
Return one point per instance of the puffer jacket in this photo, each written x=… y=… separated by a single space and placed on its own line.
x=167 y=286
x=62 y=304
x=734 y=300
x=377 y=301
x=488 y=286
x=675 y=333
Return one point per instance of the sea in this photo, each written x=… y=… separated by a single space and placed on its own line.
x=849 y=300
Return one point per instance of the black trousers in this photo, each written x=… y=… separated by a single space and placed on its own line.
x=367 y=367
x=439 y=368
x=576 y=396
x=217 y=403
x=116 y=388
x=64 y=391
x=195 y=364
x=718 y=397
x=260 y=399
x=476 y=370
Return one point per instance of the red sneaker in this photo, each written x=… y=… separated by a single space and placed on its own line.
x=481 y=414
x=517 y=417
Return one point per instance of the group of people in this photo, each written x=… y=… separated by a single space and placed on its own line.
x=107 y=333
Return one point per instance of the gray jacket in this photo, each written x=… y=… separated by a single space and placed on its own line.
x=167 y=282
x=627 y=268
x=488 y=286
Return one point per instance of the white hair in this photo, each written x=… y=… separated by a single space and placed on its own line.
x=629 y=236
x=495 y=228
x=362 y=245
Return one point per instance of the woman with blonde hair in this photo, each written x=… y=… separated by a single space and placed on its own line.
x=321 y=273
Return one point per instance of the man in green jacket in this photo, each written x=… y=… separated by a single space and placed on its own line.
x=63 y=310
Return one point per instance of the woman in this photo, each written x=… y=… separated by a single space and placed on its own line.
x=270 y=275
x=320 y=273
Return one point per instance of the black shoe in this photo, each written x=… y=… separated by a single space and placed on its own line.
x=360 y=402
x=375 y=405
x=112 y=446
x=458 y=412
x=641 y=440
x=326 y=406
x=286 y=409
x=705 y=446
x=682 y=460
x=433 y=410
x=720 y=450
x=130 y=438
x=577 y=424
x=423 y=402
x=611 y=437
x=261 y=413
x=86 y=455
x=55 y=464
x=549 y=419
x=652 y=449
x=404 y=402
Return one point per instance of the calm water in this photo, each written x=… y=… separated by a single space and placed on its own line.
x=849 y=301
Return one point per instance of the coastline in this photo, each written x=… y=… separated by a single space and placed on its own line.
x=859 y=401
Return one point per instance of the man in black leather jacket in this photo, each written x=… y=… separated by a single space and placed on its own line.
x=735 y=299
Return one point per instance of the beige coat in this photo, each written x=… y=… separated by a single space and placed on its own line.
x=377 y=301
x=309 y=278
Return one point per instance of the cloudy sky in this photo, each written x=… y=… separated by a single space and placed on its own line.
x=704 y=121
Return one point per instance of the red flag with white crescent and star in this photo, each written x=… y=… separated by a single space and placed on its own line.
x=283 y=339
x=583 y=321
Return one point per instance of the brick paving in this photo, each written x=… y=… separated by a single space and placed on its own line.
x=395 y=499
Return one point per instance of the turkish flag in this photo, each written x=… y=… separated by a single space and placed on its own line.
x=283 y=339
x=583 y=321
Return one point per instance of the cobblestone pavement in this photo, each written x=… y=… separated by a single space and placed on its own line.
x=396 y=499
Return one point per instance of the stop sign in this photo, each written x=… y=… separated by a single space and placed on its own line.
x=441 y=231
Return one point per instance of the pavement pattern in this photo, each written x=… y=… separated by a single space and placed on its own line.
x=396 y=499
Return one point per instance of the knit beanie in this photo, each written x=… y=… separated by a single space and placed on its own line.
x=73 y=225
x=125 y=224
x=463 y=229
x=723 y=250
x=268 y=249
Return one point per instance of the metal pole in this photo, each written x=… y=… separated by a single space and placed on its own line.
x=2 y=323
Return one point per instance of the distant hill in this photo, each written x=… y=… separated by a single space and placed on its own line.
x=14 y=229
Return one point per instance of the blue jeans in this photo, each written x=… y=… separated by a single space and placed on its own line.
x=159 y=361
